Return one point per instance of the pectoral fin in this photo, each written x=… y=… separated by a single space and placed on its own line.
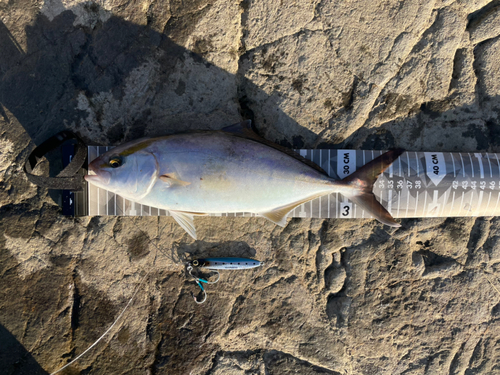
x=185 y=220
x=278 y=215
x=173 y=180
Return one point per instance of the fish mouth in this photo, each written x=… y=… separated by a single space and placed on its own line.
x=98 y=177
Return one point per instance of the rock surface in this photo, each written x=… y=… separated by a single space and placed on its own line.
x=333 y=297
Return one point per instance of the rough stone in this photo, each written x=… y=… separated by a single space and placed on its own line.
x=333 y=297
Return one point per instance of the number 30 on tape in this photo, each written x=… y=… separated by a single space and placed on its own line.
x=345 y=210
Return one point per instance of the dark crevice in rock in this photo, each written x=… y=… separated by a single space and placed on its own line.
x=278 y=362
x=476 y=234
x=477 y=356
x=275 y=362
x=245 y=110
x=234 y=313
x=475 y=18
x=244 y=6
x=158 y=360
x=75 y=307
x=185 y=17
x=348 y=97
x=458 y=61
x=455 y=363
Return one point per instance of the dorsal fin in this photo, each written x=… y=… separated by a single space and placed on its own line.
x=244 y=129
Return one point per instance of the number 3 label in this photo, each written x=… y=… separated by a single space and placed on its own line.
x=346 y=210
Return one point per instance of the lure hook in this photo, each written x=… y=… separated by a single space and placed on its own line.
x=199 y=282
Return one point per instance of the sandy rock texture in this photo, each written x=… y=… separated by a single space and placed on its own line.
x=333 y=297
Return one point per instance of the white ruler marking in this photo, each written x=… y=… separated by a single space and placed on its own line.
x=471 y=164
x=481 y=166
x=480 y=201
x=462 y=202
x=425 y=201
x=497 y=201
x=444 y=203
x=463 y=165
x=337 y=206
x=452 y=203
x=453 y=161
x=407 y=202
x=399 y=201
x=416 y=205
x=470 y=203
x=329 y=162
x=408 y=160
x=489 y=163
x=418 y=164
x=434 y=205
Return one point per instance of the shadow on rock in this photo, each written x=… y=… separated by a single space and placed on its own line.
x=14 y=358
x=202 y=249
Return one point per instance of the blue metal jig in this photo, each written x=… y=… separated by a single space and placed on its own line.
x=226 y=263
x=217 y=264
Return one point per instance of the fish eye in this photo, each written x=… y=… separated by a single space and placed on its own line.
x=115 y=162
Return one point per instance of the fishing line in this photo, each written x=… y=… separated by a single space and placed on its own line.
x=128 y=303
x=109 y=329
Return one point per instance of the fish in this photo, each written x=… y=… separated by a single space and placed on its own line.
x=228 y=170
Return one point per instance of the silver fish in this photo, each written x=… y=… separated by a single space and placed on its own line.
x=233 y=170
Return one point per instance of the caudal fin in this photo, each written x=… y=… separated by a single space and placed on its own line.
x=362 y=183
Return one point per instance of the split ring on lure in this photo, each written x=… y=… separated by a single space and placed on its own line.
x=217 y=264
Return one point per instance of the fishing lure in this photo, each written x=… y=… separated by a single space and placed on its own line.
x=216 y=264
x=225 y=263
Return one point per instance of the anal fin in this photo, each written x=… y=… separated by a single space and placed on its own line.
x=279 y=214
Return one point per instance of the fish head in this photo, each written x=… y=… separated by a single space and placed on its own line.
x=127 y=171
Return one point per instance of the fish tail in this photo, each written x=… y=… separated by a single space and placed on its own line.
x=359 y=186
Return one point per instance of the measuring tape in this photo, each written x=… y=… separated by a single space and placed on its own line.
x=422 y=184
x=417 y=184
